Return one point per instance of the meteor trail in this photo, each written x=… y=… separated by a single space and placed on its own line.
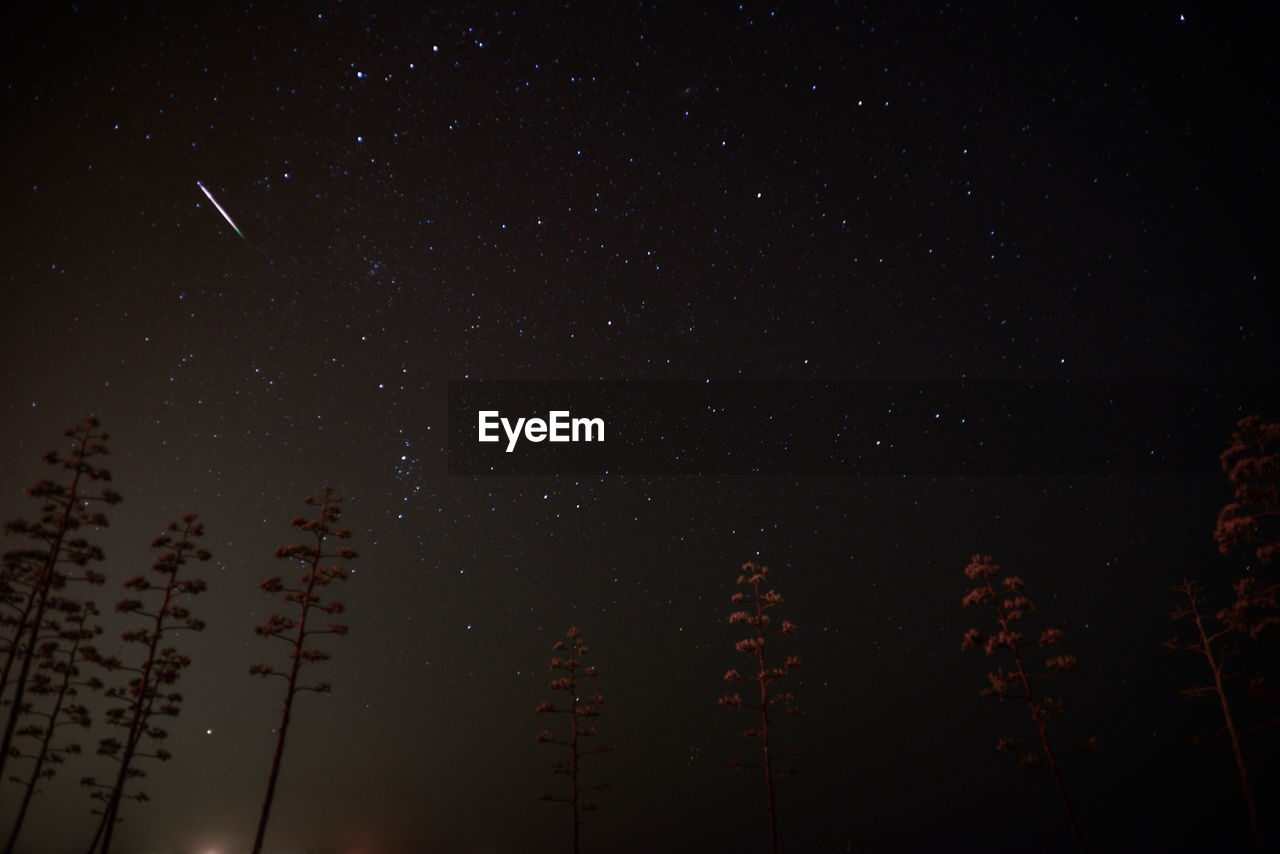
x=225 y=215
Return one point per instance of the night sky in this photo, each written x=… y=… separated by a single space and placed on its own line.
x=613 y=191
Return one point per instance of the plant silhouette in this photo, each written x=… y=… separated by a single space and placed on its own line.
x=298 y=629
x=759 y=602
x=1008 y=602
x=149 y=693
x=579 y=742
x=32 y=574
x=58 y=679
x=1210 y=642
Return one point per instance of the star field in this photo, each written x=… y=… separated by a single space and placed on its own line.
x=621 y=191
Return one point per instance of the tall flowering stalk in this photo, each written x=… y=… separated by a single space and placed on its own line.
x=1251 y=522
x=581 y=732
x=301 y=626
x=1210 y=643
x=58 y=680
x=772 y=705
x=149 y=693
x=32 y=574
x=1006 y=599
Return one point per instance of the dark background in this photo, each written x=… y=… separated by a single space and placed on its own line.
x=606 y=191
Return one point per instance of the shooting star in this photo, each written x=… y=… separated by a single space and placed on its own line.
x=225 y=215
